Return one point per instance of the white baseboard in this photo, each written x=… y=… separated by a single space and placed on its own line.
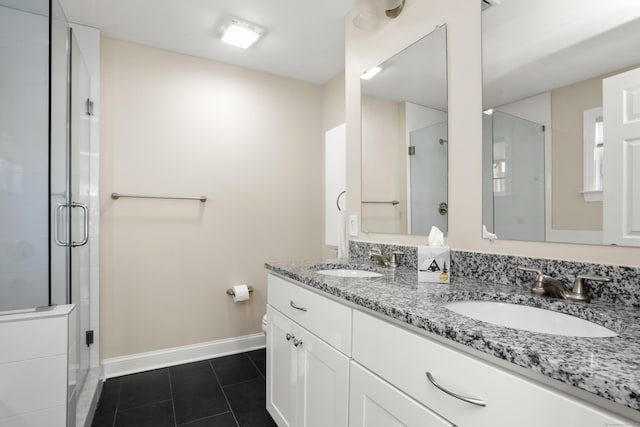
x=123 y=365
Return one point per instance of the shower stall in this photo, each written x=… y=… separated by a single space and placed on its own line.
x=513 y=157
x=47 y=188
x=428 y=164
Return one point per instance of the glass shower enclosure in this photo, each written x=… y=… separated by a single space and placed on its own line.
x=514 y=177
x=24 y=156
x=44 y=161
x=428 y=178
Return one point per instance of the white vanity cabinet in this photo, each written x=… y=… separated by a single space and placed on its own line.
x=376 y=403
x=331 y=365
x=307 y=378
x=403 y=358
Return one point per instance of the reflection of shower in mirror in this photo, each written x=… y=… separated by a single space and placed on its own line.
x=404 y=139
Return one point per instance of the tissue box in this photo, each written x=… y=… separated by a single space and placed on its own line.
x=434 y=264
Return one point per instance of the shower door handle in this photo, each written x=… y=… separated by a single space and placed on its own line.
x=56 y=225
x=85 y=227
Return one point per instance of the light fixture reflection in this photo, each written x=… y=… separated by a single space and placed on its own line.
x=370 y=73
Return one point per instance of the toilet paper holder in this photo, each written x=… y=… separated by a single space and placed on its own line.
x=230 y=291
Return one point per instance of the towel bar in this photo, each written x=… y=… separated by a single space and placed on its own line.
x=116 y=196
x=393 y=202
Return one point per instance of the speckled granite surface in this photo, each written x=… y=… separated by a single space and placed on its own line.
x=607 y=367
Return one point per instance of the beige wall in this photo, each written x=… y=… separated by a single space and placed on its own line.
x=333 y=102
x=367 y=48
x=383 y=170
x=570 y=211
x=178 y=125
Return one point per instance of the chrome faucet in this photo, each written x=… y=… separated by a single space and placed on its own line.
x=375 y=255
x=548 y=286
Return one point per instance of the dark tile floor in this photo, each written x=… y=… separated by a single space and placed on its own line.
x=227 y=391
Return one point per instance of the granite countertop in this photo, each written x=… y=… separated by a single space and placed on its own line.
x=607 y=367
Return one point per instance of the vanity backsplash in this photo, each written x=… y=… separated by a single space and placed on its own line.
x=503 y=269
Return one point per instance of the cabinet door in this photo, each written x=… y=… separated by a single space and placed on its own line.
x=376 y=403
x=335 y=182
x=323 y=383
x=282 y=369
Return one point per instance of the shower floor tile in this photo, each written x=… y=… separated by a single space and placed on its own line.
x=228 y=391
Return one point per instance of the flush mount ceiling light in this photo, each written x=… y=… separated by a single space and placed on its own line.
x=370 y=73
x=365 y=15
x=240 y=33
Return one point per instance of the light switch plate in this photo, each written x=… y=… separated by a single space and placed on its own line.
x=353 y=225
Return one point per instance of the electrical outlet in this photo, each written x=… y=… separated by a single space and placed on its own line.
x=353 y=225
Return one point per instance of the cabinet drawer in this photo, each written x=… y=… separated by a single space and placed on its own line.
x=375 y=403
x=329 y=320
x=403 y=358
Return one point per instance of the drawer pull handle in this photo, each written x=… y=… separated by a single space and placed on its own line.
x=297 y=342
x=471 y=400
x=297 y=307
x=289 y=336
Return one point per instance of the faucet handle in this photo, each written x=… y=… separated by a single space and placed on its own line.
x=580 y=288
x=532 y=270
x=396 y=258
x=537 y=289
x=375 y=250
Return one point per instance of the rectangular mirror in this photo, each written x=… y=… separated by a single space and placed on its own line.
x=543 y=67
x=404 y=140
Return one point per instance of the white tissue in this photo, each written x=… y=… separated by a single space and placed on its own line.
x=240 y=293
x=436 y=237
x=486 y=234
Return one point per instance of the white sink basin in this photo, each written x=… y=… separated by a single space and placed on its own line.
x=344 y=272
x=529 y=319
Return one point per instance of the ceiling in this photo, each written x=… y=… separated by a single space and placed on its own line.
x=418 y=74
x=530 y=47
x=304 y=39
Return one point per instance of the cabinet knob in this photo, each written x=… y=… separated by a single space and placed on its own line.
x=289 y=336
x=297 y=342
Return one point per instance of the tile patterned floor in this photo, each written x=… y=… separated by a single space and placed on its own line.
x=228 y=391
